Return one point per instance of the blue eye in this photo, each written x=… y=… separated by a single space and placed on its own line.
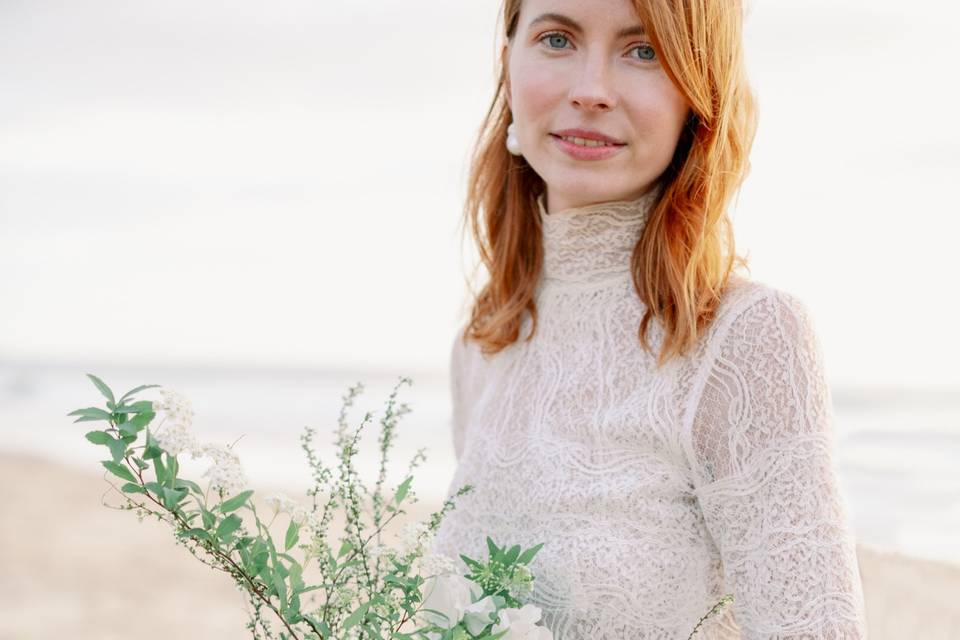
x=647 y=52
x=553 y=37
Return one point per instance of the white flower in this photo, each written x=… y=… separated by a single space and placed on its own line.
x=436 y=564
x=308 y=519
x=521 y=582
x=225 y=473
x=174 y=435
x=414 y=538
x=377 y=550
x=280 y=503
x=479 y=614
x=176 y=406
x=175 y=438
x=448 y=597
x=521 y=624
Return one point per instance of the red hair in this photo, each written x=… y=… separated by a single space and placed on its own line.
x=686 y=253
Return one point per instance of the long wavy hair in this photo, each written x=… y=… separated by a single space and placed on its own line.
x=685 y=256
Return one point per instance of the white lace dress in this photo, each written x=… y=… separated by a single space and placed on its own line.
x=655 y=492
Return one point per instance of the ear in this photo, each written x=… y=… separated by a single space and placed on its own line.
x=504 y=64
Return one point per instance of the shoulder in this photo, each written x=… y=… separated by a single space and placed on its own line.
x=761 y=323
x=761 y=315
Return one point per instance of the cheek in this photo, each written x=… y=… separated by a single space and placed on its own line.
x=535 y=92
x=657 y=114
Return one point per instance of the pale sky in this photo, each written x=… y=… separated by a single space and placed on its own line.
x=282 y=184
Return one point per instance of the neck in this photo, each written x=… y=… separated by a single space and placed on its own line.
x=554 y=202
x=595 y=242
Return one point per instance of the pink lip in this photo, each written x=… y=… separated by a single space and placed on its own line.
x=588 y=134
x=585 y=153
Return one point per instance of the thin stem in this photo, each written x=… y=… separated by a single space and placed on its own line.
x=238 y=573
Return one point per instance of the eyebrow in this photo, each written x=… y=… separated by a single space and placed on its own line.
x=637 y=30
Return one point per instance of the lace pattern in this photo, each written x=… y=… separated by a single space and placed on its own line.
x=655 y=491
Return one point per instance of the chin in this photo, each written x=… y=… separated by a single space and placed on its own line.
x=588 y=187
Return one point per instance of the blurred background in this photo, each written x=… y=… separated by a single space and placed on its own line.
x=258 y=205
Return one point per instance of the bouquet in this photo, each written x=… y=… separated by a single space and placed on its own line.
x=306 y=586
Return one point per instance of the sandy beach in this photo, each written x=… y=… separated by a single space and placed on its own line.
x=99 y=574
x=74 y=568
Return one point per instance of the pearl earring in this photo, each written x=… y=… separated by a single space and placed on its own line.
x=513 y=144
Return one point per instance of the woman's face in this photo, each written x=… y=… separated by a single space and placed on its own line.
x=587 y=65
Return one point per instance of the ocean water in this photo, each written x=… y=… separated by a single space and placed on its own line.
x=896 y=456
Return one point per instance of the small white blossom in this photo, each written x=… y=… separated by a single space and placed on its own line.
x=414 y=538
x=174 y=435
x=176 y=406
x=377 y=550
x=225 y=473
x=521 y=583
x=437 y=564
x=280 y=503
x=308 y=519
x=175 y=438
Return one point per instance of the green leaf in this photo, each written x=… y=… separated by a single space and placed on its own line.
x=104 y=389
x=402 y=490
x=356 y=616
x=470 y=562
x=153 y=451
x=172 y=497
x=208 y=518
x=296 y=577
x=273 y=550
x=230 y=524
x=117 y=449
x=281 y=586
x=293 y=533
x=345 y=548
x=183 y=483
x=155 y=487
x=195 y=533
x=130 y=487
x=160 y=470
x=527 y=555
x=98 y=437
x=136 y=390
x=118 y=470
x=90 y=414
x=293 y=609
x=172 y=468
x=494 y=551
x=235 y=502
x=143 y=466
x=512 y=554
x=141 y=406
x=136 y=423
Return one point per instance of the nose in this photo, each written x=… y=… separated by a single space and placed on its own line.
x=593 y=88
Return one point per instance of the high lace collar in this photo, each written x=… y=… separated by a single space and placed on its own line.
x=594 y=242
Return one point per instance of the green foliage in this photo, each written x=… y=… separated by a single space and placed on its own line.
x=235 y=502
x=293 y=534
x=354 y=588
x=118 y=470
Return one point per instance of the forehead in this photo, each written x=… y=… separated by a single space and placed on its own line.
x=587 y=15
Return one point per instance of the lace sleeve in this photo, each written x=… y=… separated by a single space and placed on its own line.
x=762 y=446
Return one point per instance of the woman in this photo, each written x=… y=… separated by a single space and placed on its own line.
x=660 y=423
